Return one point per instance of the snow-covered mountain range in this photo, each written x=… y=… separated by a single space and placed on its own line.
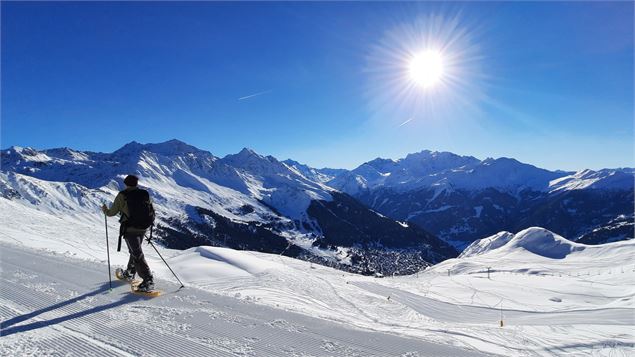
x=461 y=198
x=363 y=220
x=242 y=201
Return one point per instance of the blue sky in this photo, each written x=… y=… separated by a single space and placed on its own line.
x=550 y=84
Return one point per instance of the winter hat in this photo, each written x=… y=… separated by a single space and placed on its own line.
x=131 y=180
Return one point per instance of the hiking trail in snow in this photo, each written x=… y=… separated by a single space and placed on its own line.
x=56 y=305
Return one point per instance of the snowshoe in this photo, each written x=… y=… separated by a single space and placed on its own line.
x=145 y=288
x=124 y=275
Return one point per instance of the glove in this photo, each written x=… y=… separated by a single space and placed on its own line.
x=104 y=208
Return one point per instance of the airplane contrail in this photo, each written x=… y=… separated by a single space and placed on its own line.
x=254 y=95
x=406 y=122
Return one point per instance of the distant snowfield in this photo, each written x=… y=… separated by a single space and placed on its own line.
x=556 y=297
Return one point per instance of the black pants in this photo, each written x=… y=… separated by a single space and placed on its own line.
x=137 y=261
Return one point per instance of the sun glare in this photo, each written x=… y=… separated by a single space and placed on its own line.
x=426 y=68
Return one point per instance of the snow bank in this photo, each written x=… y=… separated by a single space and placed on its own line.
x=537 y=241
x=543 y=242
x=485 y=245
x=207 y=263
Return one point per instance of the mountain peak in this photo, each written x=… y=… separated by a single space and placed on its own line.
x=248 y=157
x=167 y=148
x=67 y=153
x=18 y=149
x=503 y=161
x=27 y=153
x=439 y=156
x=380 y=164
x=248 y=152
x=14 y=148
x=418 y=155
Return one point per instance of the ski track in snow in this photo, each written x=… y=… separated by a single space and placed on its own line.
x=52 y=305
x=301 y=299
x=448 y=312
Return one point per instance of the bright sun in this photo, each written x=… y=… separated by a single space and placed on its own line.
x=426 y=68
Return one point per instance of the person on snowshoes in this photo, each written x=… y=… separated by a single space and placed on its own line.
x=137 y=215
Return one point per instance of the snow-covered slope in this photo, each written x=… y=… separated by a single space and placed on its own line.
x=606 y=179
x=544 y=243
x=276 y=183
x=536 y=252
x=536 y=240
x=485 y=245
x=620 y=228
x=318 y=175
x=172 y=193
x=60 y=306
x=580 y=304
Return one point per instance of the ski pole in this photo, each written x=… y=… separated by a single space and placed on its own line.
x=166 y=263
x=119 y=242
x=108 y=251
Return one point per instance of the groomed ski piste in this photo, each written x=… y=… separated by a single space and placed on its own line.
x=554 y=297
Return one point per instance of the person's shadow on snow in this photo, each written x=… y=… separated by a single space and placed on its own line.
x=6 y=329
